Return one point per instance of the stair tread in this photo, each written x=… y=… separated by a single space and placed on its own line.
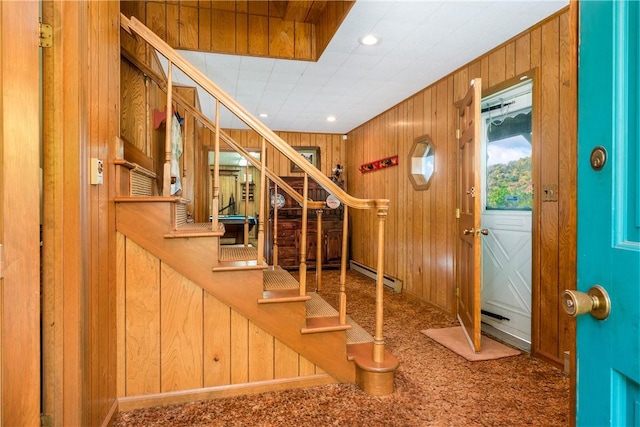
x=278 y=278
x=357 y=333
x=237 y=253
x=194 y=229
x=318 y=307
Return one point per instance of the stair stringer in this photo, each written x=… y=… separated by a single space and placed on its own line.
x=146 y=223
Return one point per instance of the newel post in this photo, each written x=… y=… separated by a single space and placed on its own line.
x=378 y=339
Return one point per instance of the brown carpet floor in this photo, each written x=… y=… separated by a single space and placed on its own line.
x=433 y=386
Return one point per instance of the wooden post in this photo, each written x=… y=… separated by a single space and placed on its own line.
x=378 y=339
x=275 y=223
x=303 y=237
x=166 y=178
x=343 y=269
x=261 y=203
x=215 y=206
x=319 y=241
x=246 y=204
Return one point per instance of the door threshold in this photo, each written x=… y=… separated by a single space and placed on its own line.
x=506 y=338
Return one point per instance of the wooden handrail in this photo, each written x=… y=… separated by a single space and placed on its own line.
x=199 y=78
x=184 y=103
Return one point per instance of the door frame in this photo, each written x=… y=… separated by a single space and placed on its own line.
x=534 y=75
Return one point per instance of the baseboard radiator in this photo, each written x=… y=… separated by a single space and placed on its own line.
x=390 y=282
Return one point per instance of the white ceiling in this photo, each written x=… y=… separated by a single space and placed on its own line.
x=421 y=42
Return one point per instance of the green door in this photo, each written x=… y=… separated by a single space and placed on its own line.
x=608 y=351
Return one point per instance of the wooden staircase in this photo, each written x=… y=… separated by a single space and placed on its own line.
x=234 y=277
x=268 y=296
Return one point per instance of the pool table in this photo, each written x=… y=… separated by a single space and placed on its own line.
x=234 y=226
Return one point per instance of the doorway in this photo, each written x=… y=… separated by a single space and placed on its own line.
x=506 y=171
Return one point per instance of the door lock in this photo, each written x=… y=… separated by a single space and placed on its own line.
x=473 y=231
x=596 y=302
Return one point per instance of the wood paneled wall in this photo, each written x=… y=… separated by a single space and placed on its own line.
x=332 y=149
x=256 y=28
x=20 y=317
x=175 y=336
x=81 y=96
x=421 y=227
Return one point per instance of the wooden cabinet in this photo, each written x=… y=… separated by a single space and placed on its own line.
x=251 y=186
x=289 y=229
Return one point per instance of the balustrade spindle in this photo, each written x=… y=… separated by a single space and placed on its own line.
x=275 y=224
x=343 y=268
x=303 y=236
x=319 y=245
x=216 y=170
x=261 y=212
x=246 y=204
x=166 y=178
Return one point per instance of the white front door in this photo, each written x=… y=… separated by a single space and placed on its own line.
x=506 y=214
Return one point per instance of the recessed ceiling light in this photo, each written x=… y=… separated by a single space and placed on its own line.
x=331 y=118
x=264 y=115
x=369 y=40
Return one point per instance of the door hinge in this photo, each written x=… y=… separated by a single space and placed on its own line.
x=1 y=262
x=457 y=213
x=457 y=133
x=46 y=35
x=46 y=420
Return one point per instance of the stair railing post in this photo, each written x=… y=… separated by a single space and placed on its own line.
x=246 y=204
x=275 y=224
x=303 y=237
x=166 y=177
x=215 y=206
x=378 y=339
x=343 y=268
x=261 y=203
x=319 y=246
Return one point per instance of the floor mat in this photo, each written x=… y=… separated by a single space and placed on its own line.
x=455 y=340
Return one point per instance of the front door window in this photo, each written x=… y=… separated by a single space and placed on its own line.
x=507 y=126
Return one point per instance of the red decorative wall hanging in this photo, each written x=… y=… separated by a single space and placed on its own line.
x=379 y=164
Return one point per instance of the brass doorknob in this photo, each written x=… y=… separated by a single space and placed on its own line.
x=596 y=302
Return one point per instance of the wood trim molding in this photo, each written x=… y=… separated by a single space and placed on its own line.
x=172 y=398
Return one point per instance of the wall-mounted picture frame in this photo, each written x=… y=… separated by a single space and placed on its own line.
x=311 y=154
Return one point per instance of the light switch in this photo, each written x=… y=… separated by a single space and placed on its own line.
x=96 y=171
